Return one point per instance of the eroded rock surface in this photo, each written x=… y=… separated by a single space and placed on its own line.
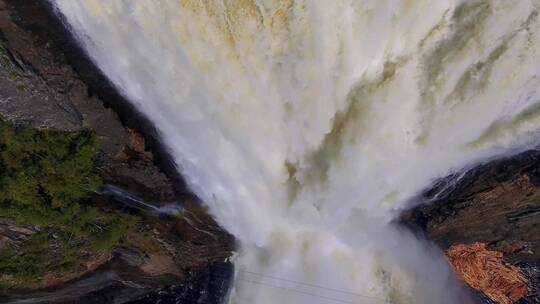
x=485 y=270
x=496 y=204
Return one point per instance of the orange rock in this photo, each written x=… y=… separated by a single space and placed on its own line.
x=160 y=263
x=138 y=144
x=485 y=270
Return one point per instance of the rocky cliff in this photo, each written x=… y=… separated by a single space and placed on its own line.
x=47 y=83
x=487 y=220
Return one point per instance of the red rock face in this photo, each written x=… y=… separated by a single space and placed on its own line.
x=485 y=271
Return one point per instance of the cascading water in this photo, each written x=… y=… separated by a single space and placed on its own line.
x=306 y=125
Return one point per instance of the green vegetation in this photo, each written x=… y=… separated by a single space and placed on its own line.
x=27 y=263
x=45 y=178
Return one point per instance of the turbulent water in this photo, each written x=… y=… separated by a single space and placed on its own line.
x=306 y=125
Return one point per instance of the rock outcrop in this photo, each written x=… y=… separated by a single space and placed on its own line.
x=496 y=204
x=486 y=271
x=11 y=233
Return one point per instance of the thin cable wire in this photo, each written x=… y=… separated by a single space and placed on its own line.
x=304 y=284
x=297 y=291
x=311 y=285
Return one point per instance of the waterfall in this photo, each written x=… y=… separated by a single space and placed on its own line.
x=307 y=125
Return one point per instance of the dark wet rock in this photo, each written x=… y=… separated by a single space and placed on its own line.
x=210 y=286
x=207 y=286
x=496 y=203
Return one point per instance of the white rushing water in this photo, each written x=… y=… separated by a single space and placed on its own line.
x=306 y=125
